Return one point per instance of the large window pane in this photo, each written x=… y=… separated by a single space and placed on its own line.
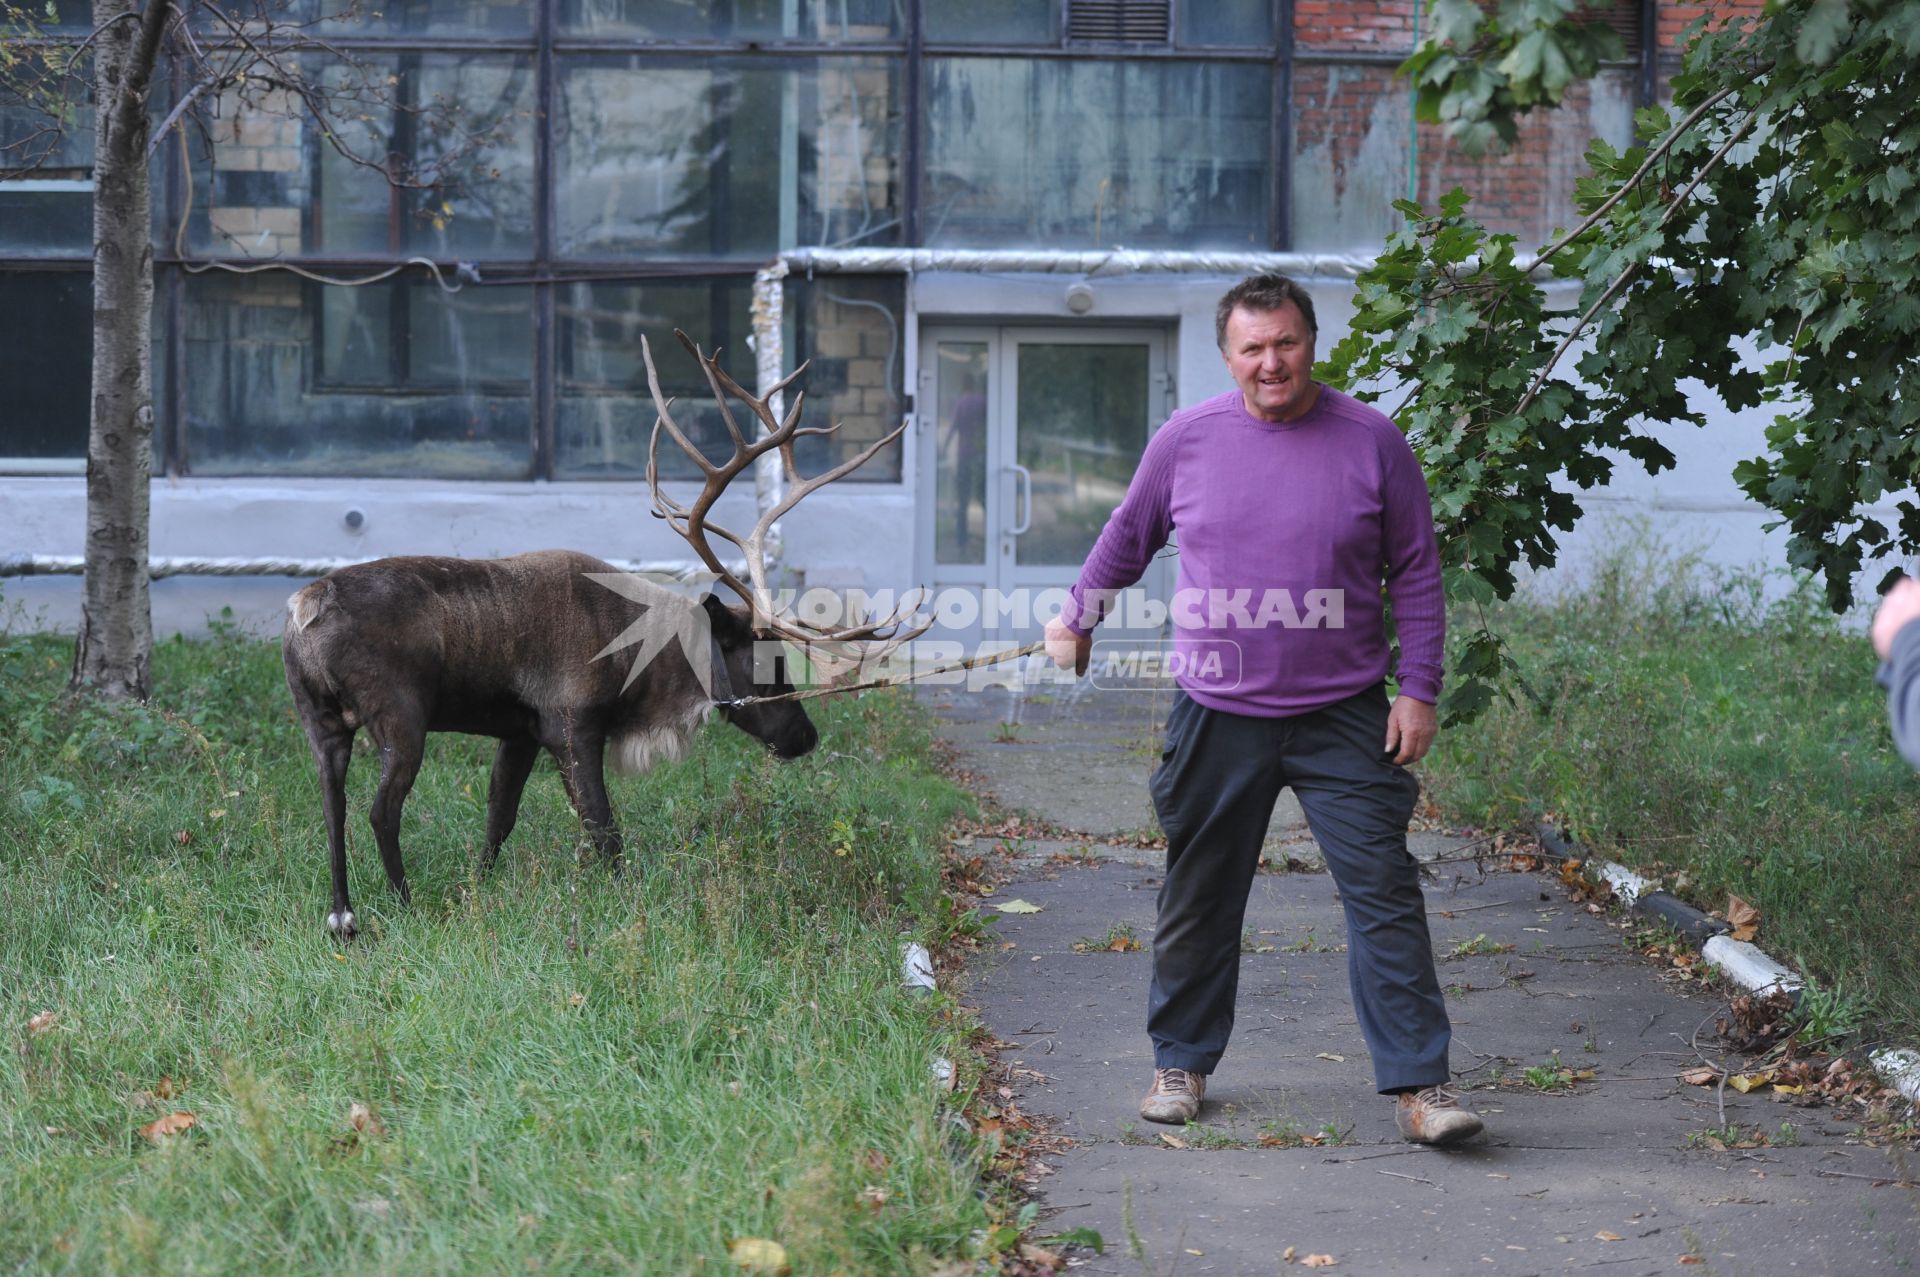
x=831 y=20
x=437 y=17
x=1088 y=154
x=606 y=414
x=270 y=183
x=1227 y=23
x=992 y=21
x=1352 y=144
x=46 y=153
x=848 y=327
x=46 y=361
x=291 y=378
x=727 y=157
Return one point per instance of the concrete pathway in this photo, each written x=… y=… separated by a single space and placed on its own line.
x=1611 y=1175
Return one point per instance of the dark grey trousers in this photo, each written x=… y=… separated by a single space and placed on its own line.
x=1214 y=791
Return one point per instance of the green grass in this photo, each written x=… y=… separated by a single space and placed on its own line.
x=574 y=1072
x=1690 y=730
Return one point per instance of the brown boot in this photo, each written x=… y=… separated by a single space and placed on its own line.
x=1434 y=1115
x=1175 y=1097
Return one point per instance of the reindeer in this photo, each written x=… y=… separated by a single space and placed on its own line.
x=519 y=649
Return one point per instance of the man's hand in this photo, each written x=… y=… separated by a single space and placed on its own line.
x=1068 y=650
x=1411 y=727
x=1900 y=606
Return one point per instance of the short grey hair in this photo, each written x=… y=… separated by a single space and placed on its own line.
x=1262 y=293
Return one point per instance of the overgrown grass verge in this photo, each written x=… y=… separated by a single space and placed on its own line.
x=1686 y=727
x=564 y=1070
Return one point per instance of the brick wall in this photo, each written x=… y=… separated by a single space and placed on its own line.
x=1387 y=25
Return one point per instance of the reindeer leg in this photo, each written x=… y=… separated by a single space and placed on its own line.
x=582 y=756
x=402 y=745
x=511 y=764
x=332 y=742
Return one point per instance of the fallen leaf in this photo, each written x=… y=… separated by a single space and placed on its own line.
x=1699 y=1077
x=874 y=1196
x=1017 y=906
x=1287 y=1255
x=172 y=1124
x=1779 y=1089
x=1328 y=1055
x=576 y=999
x=364 y=1119
x=1604 y=1236
x=1042 y=1256
x=1692 y=1259
x=42 y=1022
x=759 y=1255
x=1171 y=1140
x=1744 y=1082
x=1743 y=918
x=165 y=1088
x=183 y=837
x=1191 y=1251
x=1319 y=1261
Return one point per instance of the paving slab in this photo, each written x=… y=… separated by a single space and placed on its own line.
x=1612 y=1174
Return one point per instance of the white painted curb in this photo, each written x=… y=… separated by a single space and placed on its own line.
x=1901 y=1069
x=1748 y=967
x=1626 y=884
x=916 y=967
x=916 y=976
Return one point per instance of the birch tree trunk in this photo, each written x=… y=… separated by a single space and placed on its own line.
x=114 y=651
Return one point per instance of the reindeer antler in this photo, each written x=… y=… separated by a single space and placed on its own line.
x=692 y=521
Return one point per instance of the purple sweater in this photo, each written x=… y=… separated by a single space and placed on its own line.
x=1286 y=533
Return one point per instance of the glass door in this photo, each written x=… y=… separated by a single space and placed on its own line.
x=1032 y=435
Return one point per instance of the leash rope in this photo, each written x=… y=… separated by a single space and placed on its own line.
x=972 y=662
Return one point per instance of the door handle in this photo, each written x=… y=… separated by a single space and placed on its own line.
x=1025 y=477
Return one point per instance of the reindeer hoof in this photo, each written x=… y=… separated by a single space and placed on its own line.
x=343 y=924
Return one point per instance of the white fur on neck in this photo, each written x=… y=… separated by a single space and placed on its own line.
x=642 y=750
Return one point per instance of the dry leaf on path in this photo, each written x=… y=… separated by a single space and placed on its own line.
x=1319 y=1261
x=1692 y=1259
x=42 y=1022
x=1328 y=1055
x=1604 y=1236
x=172 y=1124
x=1743 y=918
x=1017 y=906
x=759 y=1255
x=1171 y=1140
x=1744 y=1082
x=1700 y=1077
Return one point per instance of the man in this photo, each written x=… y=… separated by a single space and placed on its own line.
x=1294 y=503
x=1896 y=641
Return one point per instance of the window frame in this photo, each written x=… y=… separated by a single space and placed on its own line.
x=547 y=272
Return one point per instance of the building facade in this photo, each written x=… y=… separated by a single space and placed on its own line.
x=346 y=369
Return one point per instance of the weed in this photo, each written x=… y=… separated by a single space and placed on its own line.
x=1007 y=734
x=1251 y=943
x=1120 y=937
x=1549 y=1076
x=1289 y=1134
x=1478 y=947
x=1828 y=1013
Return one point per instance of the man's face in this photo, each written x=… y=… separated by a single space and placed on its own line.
x=1270 y=354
